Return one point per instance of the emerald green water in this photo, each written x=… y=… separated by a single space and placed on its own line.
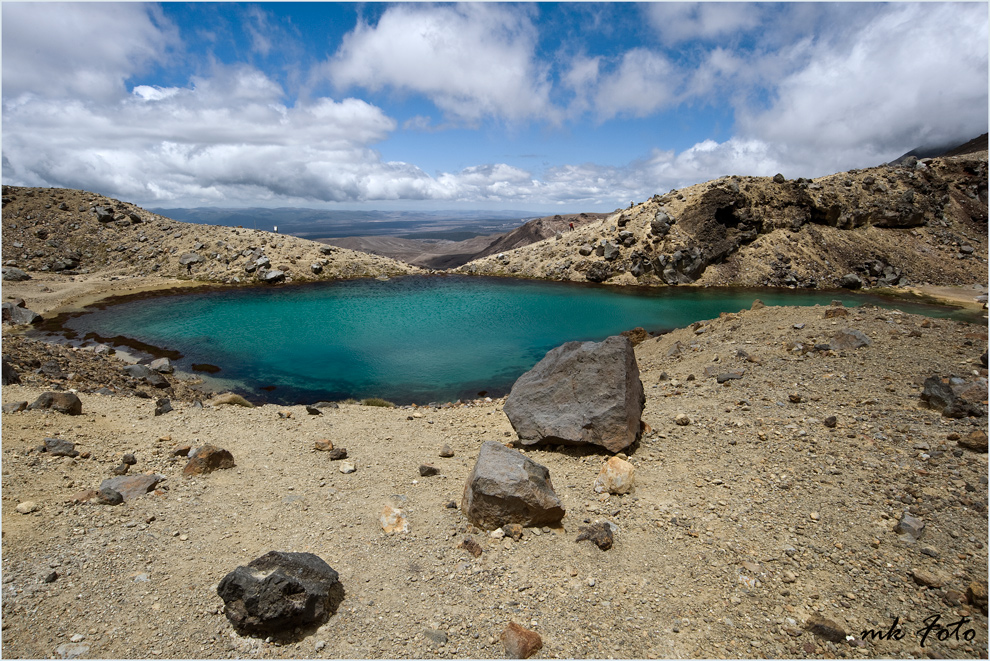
x=410 y=339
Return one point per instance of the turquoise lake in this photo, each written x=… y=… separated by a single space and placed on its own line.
x=410 y=339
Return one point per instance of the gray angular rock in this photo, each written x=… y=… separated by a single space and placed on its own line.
x=132 y=486
x=848 y=338
x=163 y=406
x=12 y=274
x=102 y=215
x=953 y=400
x=59 y=447
x=63 y=402
x=14 y=407
x=190 y=258
x=280 y=591
x=850 y=281
x=507 y=487
x=909 y=527
x=581 y=392
x=162 y=365
x=273 y=276
x=15 y=315
x=146 y=374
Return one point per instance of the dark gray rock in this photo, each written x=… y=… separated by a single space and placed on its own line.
x=506 y=487
x=326 y=405
x=63 y=402
x=273 y=276
x=163 y=406
x=600 y=533
x=190 y=258
x=954 y=401
x=778 y=178
x=10 y=375
x=850 y=281
x=581 y=392
x=14 y=407
x=102 y=215
x=316 y=268
x=17 y=316
x=12 y=274
x=598 y=272
x=146 y=374
x=730 y=376
x=280 y=591
x=162 y=365
x=312 y=410
x=132 y=486
x=909 y=527
x=59 y=447
x=848 y=338
x=109 y=496
x=428 y=470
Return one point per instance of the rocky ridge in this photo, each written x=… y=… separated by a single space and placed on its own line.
x=76 y=233
x=921 y=222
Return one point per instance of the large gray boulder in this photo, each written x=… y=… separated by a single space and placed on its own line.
x=13 y=274
x=16 y=315
x=280 y=591
x=507 y=487
x=146 y=374
x=581 y=392
x=63 y=402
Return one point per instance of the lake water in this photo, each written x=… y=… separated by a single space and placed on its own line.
x=409 y=339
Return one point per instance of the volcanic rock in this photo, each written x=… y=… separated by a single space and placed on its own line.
x=848 y=338
x=132 y=486
x=63 y=402
x=506 y=487
x=208 y=458
x=280 y=591
x=581 y=392
x=519 y=642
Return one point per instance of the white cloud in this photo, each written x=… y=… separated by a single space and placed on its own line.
x=473 y=61
x=677 y=22
x=84 y=50
x=916 y=74
x=643 y=83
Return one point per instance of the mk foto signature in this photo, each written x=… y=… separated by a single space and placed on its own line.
x=933 y=628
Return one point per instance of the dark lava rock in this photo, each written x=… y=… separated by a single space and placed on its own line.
x=10 y=375
x=506 y=487
x=102 y=215
x=15 y=407
x=59 y=447
x=162 y=406
x=581 y=392
x=825 y=628
x=909 y=526
x=109 y=496
x=831 y=421
x=600 y=533
x=312 y=410
x=729 y=376
x=146 y=374
x=471 y=546
x=428 y=470
x=63 y=402
x=850 y=281
x=208 y=458
x=280 y=591
x=944 y=397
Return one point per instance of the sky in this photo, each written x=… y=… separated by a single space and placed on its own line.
x=558 y=107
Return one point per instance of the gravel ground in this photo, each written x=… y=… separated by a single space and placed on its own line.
x=744 y=524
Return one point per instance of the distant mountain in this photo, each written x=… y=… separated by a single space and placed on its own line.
x=949 y=149
x=429 y=250
x=317 y=224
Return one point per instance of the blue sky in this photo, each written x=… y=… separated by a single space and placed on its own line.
x=540 y=107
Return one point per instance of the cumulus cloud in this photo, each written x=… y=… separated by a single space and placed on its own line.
x=474 y=61
x=83 y=50
x=915 y=75
x=678 y=22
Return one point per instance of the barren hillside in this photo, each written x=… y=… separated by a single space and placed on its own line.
x=922 y=222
